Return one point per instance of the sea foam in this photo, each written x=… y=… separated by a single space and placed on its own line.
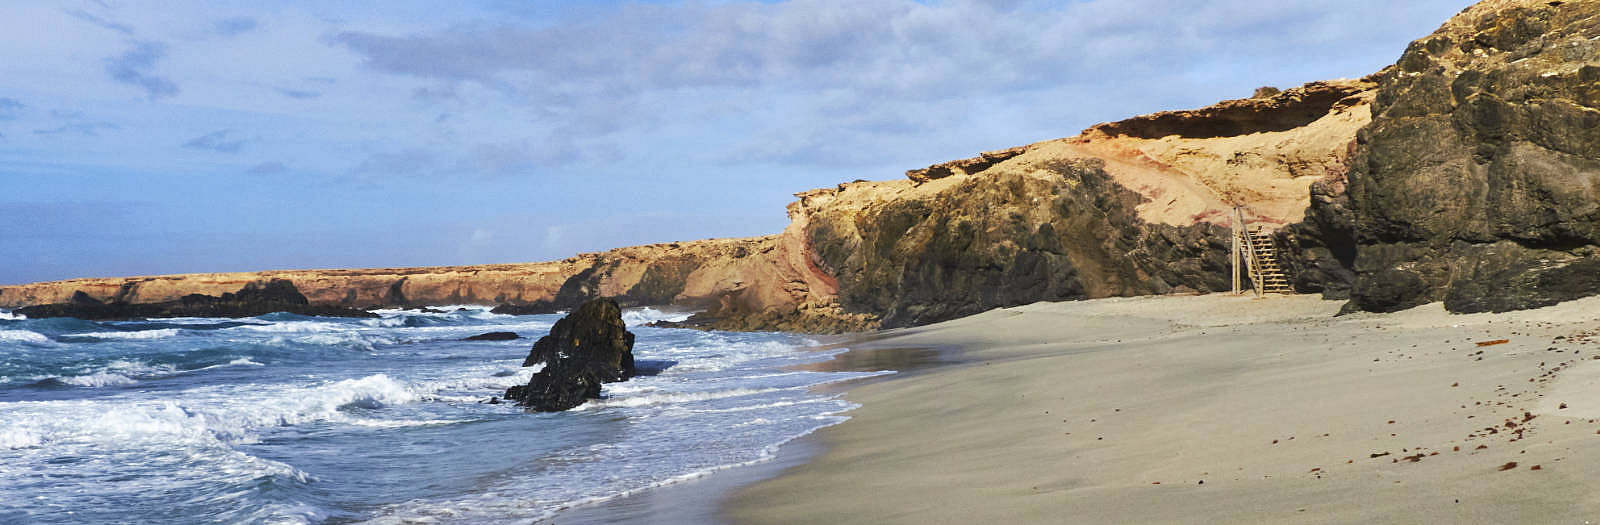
x=23 y=336
x=140 y=334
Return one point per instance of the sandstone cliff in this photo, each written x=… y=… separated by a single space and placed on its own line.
x=638 y=275
x=1126 y=208
x=1468 y=172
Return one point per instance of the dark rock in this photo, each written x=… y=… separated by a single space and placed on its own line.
x=494 y=336
x=1008 y=238
x=1318 y=253
x=586 y=348
x=534 y=308
x=274 y=291
x=1475 y=182
x=662 y=281
x=254 y=299
x=970 y=166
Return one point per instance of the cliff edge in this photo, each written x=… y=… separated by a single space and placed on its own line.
x=1468 y=172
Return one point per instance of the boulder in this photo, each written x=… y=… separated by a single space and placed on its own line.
x=588 y=347
x=494 y=336
x=534 y=308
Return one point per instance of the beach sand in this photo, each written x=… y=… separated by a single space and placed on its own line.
x=1215 y=409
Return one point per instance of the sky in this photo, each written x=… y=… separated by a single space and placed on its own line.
x=141 y=138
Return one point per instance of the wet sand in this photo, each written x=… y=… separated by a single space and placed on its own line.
x=1207 y=409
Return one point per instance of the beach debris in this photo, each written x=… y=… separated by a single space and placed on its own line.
x=1493 y=342
x=1508 y=466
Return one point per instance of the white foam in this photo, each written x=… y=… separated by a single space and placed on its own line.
x=387 y=322
x=671 y=398
x=647 y=315
x=141 y=334
x=120 y=372
x=243 y=361
x=345 y=339
x=291 y=327
x=99 y=379
x=6 y=315
x=724 y=391
x=402 y=423
x=23 y=336
x=14 y=438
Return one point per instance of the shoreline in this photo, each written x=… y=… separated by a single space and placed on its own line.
x=703 y=500
x=1187 y=409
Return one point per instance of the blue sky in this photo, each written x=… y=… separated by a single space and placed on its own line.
x=165 y=137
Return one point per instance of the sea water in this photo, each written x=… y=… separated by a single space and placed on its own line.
x=290 y=419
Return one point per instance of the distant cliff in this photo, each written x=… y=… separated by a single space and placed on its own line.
x=1468 y=172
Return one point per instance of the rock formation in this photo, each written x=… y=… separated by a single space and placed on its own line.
x=255 y=298
x=494 y=336
x=1126 y=208
x=1474 y=180
x=1478 y=181
x=586 y=348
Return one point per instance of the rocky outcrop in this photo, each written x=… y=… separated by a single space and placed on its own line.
x=586 y=348
x=1268 y=110
x=493 y=336
x=976 y=164
x=1034 y=229
x=1126 y=208
x=1468 y=173
x=1478 y=181
x=256 y=298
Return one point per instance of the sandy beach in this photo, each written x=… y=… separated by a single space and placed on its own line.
x=1215 y=409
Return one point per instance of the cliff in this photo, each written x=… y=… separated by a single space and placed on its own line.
x=1127 y=208
x=637 y=275
x=1468 y=172
x=1478 y=181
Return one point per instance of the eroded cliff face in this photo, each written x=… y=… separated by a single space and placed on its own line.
x=1037 y=228
x=1478 y=181
x=1135 y=207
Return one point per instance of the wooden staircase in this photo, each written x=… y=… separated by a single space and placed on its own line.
x=1260 y=257
x=1264 y=268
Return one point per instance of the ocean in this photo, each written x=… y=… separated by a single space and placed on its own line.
x=290 y=419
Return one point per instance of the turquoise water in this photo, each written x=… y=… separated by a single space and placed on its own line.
x=290 y=419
